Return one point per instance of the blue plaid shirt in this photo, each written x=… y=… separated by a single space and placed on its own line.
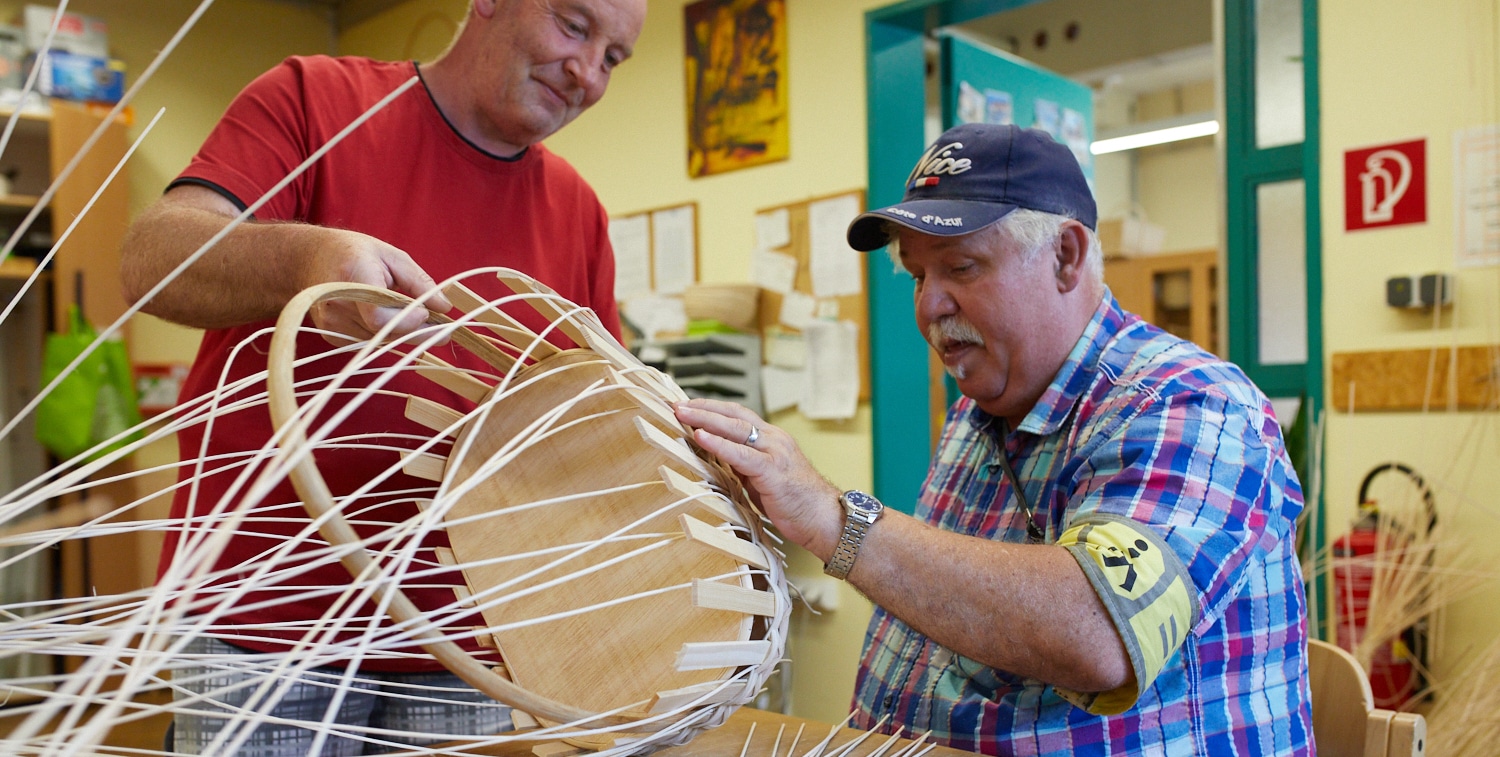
x=1144 y=432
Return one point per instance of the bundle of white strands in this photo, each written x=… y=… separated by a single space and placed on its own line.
x=609 y=580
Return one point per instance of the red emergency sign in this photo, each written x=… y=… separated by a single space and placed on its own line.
x=1385 y=185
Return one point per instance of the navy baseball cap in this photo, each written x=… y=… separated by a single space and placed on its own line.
x=973 y=175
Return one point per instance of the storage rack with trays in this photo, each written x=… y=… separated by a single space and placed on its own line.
x=716 y=366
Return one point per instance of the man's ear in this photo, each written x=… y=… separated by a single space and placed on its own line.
x=485 y=8
x=1072 y=255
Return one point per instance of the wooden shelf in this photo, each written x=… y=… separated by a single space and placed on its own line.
x=26 y=115
x=19 y=202
x=1176 y=291
x=16 y=268
x=98 y=110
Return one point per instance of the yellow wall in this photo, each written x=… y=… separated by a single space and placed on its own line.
x=413 y=30
x=1179 y=190
x=1178 y=183
x=632 y=148
x=1392 y=73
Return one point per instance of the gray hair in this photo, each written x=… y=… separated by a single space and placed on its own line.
x=1030 y=230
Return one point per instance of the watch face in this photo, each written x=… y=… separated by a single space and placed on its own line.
x=858 y=501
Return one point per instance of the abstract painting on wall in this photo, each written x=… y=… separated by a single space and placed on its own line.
x=736 y=84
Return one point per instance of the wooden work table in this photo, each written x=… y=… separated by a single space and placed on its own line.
x=728 y=740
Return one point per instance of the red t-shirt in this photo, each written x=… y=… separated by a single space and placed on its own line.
x=408 y=178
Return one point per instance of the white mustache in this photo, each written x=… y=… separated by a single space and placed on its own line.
x=952 y=330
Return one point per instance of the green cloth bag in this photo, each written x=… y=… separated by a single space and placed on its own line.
x=93 y=403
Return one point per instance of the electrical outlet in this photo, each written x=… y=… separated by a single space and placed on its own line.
x=1418 y=292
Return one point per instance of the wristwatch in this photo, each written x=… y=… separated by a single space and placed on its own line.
x=860 y=512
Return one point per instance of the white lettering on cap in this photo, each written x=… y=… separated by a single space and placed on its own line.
x=941 y=221
x=900 y=212
x=939 y=160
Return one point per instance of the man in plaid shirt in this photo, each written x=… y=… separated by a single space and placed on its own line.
x=1102 y=560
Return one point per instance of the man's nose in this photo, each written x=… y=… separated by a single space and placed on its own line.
x=934 y=301
x=586 y=71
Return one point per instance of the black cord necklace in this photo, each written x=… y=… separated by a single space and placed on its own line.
x=1034 y=533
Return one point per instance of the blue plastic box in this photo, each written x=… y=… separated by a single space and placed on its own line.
x=82 y=77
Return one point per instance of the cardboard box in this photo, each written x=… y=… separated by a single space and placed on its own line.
x=81 y=77
x=735 y=305
x=1130 y=237
x=78 y=34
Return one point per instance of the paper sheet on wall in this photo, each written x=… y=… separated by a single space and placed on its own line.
x=780 y=388
x=773 y=230
x=776 y=271
x=797 y=310
x=835 y=267
x=655 y=315
x=828 y=310
x=1475 y=155
x=673 y=246
x=831 y=391
x=631 y=239
x=785 y=349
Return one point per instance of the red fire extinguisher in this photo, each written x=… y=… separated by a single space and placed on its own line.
x=1396 y=667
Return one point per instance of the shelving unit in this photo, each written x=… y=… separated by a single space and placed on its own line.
x=21 y=458
x=19 y=202
x=719 y=366
x=88 y=263
x=1177 y=291
x=39 y=149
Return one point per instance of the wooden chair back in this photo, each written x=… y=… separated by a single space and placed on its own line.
x=1345 y=721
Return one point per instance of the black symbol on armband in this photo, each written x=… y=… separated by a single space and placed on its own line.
x=1118 y=560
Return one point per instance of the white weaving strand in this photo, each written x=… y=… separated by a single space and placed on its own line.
x=130 y=645
x=126 y=650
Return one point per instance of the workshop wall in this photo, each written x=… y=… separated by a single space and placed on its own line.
x=1391 y=74
x=414 y=30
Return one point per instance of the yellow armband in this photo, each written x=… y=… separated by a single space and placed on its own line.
x=1145 y=588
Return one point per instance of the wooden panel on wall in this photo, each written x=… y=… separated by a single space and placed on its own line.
x=1416 y=380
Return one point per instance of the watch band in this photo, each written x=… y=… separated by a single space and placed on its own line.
x=843 y=555
x=860 y=512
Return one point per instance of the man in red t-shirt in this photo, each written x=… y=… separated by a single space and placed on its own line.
x=450 y=176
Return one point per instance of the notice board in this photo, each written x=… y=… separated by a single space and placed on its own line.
x=808 y=274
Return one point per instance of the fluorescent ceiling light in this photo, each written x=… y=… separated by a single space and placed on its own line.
x=1156 y=134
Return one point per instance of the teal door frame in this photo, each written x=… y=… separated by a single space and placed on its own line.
x=1246 y=168
x=895 y=87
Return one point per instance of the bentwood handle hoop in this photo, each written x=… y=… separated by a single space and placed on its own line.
x=318 y=500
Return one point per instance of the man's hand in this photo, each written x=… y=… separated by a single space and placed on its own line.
x=361 y=259
x=253 y=272
x=1028 y=609
x=803 y=505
